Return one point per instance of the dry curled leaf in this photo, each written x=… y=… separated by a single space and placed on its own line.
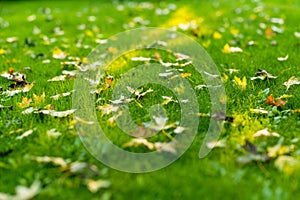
x=263 y=75
x=283 y=58
x=265 y=132
x=278 y=103
x=94 y=186
x=292 y=81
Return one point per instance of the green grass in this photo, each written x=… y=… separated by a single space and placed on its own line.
x=218 y=175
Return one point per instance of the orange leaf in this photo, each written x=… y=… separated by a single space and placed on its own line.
x=278 y=103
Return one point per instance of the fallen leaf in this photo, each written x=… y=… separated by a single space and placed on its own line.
x=2 y=106
x=113 y=119
x=94 y=186
x=25 y=102
x=241 y=83
x=166 y=147
x=278 y=103
x=53 y=133
x=78 y=119
x=25 y=134
x=29 y=110
x=287 y=164
x=83 y=168
x=200 y=87
x=179 y=129
x=280 y=149
x=259 y=110
x=217 y=35
x=265 y=132
x=159 y=124
x=10 y=93
x=283 y=58
x=180 y=56
x=57 y=96
x=38 y=100
x=109 y=80
x=23 y=193
x=54 y=160
x=142 y=132
x=166 y=74
x=139 y=93
x=2 y=51
x=285 y=96
x=231 y=71
x=58 y=78
x=292 y=81
x=218 y=143
x=11 y=39
x=70 y=73
x=107 y=108
x=31 y=18
x=170 y=99
x=54 y=113
x=141 y=59
x=229 y=49
x=122 y=100
x=182 y=75
x=58 y=54
x=262 y=75
x=136 y=142
x=168 y=64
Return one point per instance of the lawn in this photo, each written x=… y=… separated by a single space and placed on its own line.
x=44 y=46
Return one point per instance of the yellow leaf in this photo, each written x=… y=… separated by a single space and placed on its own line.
x=38 y=100
x=112 y=50
x=228 y=49
x=241 y=83
x=2 y=51
x=28 y=87
x=287 y=164
x=206 y=44
x=217 y=35
x=25 y=102
x=184 y=75
x=234 y=31
x=224 y=78
x=58 y=54
x=89 y=33
x=94 y=186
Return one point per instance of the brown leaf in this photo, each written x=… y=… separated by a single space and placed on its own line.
x=278 y=103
